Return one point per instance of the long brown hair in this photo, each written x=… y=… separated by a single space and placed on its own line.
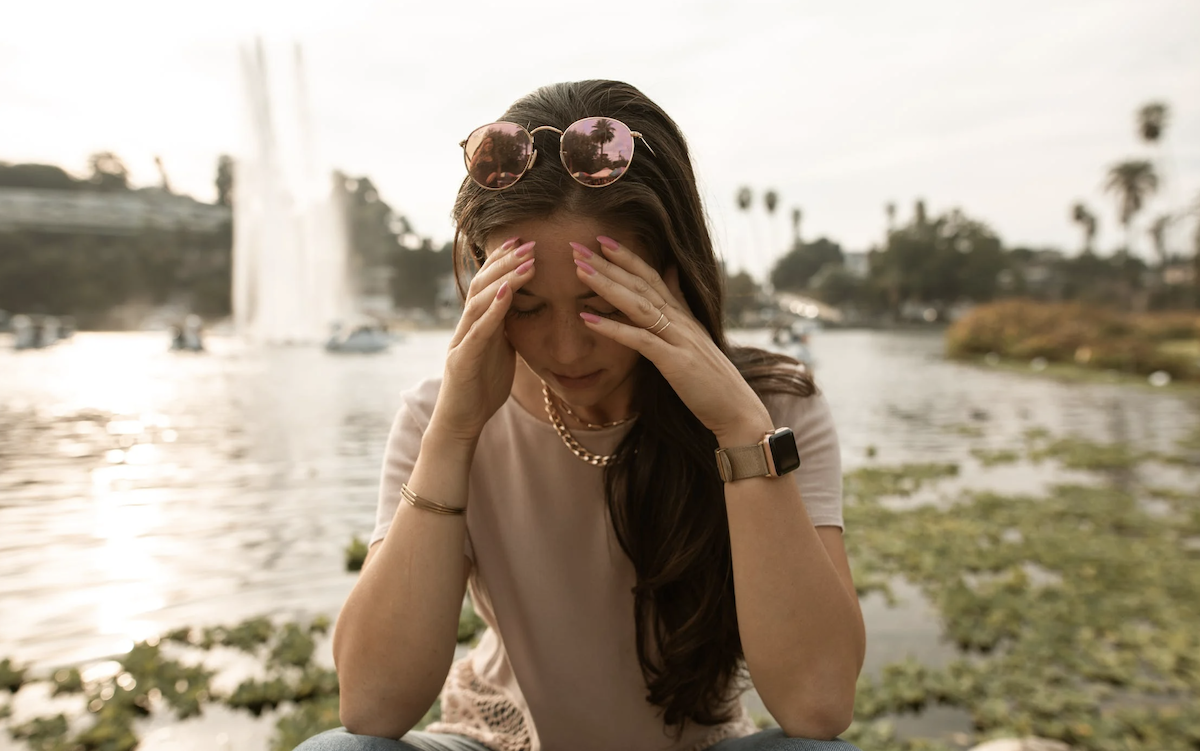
x=664 y=495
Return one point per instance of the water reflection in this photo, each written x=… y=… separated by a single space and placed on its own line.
x=141 y=491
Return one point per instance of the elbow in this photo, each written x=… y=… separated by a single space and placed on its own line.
x=818 y=716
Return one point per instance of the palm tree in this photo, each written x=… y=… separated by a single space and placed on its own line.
x=745 y=197
x=890 y=208
x=1087 y=221
x=1152 y=121
x=771 y=201
x=603 y=132
x=797 y=215
x=1132 y=181
x=1158 y=238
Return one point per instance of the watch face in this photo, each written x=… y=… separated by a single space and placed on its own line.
x=783 y=451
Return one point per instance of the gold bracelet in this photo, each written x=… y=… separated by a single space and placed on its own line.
x=424 y=503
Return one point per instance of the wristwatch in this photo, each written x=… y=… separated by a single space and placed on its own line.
x=773 y=456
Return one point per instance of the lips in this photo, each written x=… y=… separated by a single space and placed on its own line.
x=582 y=380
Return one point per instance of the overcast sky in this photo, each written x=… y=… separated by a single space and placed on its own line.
x=1010 y=110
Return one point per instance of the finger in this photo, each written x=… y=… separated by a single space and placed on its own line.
x=629 y=262
x=642 y=311
x=479 y=303
x=502 y=260
x=654 y=348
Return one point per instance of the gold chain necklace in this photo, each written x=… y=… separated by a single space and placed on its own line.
x=591 y=425
x=594 y=459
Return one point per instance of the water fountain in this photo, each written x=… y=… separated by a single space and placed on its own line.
x=290 y=247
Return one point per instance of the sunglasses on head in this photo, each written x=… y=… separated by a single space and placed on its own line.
x=596 y=151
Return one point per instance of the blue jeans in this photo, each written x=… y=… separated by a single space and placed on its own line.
x=340 y=740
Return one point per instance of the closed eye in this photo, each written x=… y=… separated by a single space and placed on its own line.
x=518 y=313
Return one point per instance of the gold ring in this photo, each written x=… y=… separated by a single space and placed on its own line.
x=661 y=316
x=660 y=308
x=664 y=328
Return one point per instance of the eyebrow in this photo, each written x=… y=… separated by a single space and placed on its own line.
x=584 y=296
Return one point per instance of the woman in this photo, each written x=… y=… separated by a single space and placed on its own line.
x=606 y=474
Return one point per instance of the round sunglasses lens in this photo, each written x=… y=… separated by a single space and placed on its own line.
x=498 y=154
x=596 y=150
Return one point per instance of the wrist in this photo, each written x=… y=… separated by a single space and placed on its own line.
x=746 y=430
x=447 y=443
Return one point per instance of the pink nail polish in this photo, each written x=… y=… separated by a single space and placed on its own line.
x=608 y=243
x=523 y=251
x=582 y=250
x=525 y=266
x=509 y=243
x=502 y=291
x=590 y=318
x=585 y=266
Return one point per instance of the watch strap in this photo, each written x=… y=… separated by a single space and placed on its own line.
x=740 y=462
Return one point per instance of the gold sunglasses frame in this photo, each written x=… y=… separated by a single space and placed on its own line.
x=561 y=154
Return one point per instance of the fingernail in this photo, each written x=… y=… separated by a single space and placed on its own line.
x=608 y=243
x=590 y=318
x=502 y=291
x=582 y=250
x=524 y=249
x=585 y=266
x=525 y=266
x=509 y=243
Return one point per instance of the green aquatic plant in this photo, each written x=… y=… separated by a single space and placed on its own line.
x=67 y=681
x=868 y=484
x=356 y=554
x=995 y=457
x=1079 y=453
x=1072 y=609
x=43 y=733
x=293 y=645
x=11 y=676
x=305 y=721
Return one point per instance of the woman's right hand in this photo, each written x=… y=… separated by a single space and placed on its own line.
x=481 y=363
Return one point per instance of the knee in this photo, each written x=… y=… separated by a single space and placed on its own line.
x=337 y=739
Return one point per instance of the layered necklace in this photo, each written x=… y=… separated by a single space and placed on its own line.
x=592 y=458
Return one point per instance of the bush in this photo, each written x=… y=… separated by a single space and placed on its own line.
x=1075 y=333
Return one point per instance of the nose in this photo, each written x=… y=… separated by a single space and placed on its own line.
x=568 y=339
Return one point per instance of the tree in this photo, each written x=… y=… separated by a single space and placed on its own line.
x=744 y=199
x=36 y=176
x=225 y=180
x=1087 y=221
x=1152 y=121
x=603 y=132
x=890 y=209
x=797 y=215
x=939 y=262
x=108 y=171
x=1133 y=181
x=795 y=270
x=771 y=201
x=1158 y=237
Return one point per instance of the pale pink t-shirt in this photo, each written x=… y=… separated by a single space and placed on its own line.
x=557 y=668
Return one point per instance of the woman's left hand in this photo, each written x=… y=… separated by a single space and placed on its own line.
x=663 y=329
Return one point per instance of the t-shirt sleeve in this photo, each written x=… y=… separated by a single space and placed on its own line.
x=403 y=446
x=819 y=476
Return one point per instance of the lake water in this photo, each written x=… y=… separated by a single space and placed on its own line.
x=142 y=490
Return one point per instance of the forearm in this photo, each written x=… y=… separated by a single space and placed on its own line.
x=801 y=627
x=395 y=637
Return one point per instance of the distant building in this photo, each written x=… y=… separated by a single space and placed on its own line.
x=97 y=212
